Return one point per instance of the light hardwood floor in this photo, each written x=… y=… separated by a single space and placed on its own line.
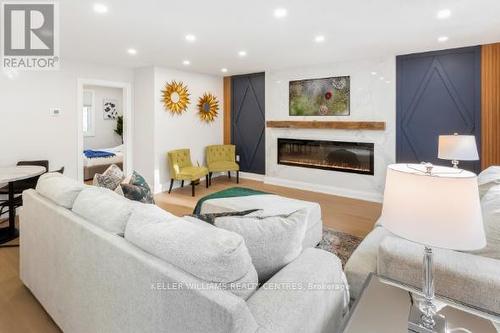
x=21 y=312
x=352 y=216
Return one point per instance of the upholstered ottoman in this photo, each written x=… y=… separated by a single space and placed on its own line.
x=272 y=205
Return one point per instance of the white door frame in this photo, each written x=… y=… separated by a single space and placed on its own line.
x=127 y=121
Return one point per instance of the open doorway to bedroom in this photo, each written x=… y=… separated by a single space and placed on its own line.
x=104 y=127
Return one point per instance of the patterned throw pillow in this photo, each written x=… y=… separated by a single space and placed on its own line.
x=137 y=189
x=110 y=179
x=210 y=217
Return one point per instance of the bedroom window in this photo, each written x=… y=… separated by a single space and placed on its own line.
x=88 y=113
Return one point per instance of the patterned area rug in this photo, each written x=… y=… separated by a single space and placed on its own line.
x=339 y=243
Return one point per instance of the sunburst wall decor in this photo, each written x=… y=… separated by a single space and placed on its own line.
x=208 y=105
x=175 y=97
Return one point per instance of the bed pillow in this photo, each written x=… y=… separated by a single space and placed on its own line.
x=137 y=189
x=110 y=179
x=487 y=179
x=273 y=241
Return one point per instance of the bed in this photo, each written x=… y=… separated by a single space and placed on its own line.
x=94 y=165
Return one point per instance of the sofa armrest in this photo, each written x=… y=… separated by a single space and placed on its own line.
x=463 y=277
x=308 y=295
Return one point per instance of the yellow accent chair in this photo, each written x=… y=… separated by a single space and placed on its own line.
x=181 y=168
x=222 y=158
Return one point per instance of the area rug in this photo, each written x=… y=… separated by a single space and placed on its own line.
x=339 y=243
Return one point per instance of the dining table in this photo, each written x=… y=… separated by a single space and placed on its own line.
x=9 y=175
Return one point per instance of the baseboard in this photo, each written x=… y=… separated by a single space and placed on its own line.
x=177 y=183
x=343 y=192
x=252 y=176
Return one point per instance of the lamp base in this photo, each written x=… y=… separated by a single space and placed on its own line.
x=415 y=322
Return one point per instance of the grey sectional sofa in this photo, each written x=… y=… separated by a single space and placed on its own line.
x=90 y=278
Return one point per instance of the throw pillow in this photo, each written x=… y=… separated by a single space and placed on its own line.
x=490 y=205
x=273 y=241
x=110 y=179
x=487 y=179
x=137 y=189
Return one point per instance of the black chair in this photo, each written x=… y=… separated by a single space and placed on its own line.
x=20 y=186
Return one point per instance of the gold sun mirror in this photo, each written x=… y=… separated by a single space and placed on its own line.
x=208 y=105
x=175 y=97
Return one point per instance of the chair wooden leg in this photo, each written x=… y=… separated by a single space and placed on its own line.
x=171 y=184
x=182 y=183
x=229 y=174
x=237 y=176
x=206 y=180
x=192 y=188
x=210 y=178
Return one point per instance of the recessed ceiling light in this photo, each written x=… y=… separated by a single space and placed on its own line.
x=382 y=78
x=387 y=81
x=100 y=8
x=373 y=73
x=190 y=37
x=224 y=70
x=280 y=12
x=442 y=39
x=132 y=51
x=186 y=62
x=319 y=39
x=443 y=14
x=242 y=53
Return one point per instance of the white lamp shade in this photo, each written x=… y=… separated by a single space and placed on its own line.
x=438 y=210
x=458 y=147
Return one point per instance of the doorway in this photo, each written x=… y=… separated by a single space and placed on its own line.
x=104 y=127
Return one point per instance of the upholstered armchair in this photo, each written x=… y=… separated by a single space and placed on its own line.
x=181 y=168
x=222 y=158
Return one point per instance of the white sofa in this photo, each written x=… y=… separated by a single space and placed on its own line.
x=471 y=278
x=89 y=278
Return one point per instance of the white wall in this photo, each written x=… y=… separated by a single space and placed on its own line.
x=186 y=130
x=144 y=123
x=371 y=99
x=104 y=134
x=27 y=131
x=159 y=131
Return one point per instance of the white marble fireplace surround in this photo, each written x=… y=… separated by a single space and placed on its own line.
x=372 y=99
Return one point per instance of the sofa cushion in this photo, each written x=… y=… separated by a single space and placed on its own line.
x=273 y=241
x=363 y=260
x=110 y=179
x=211 y=254
x=58 y=188
x=490 y=204
x=104 y=208
x=487 y=179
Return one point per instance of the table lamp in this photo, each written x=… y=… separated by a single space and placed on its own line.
x=437 y=207
x=457 y=148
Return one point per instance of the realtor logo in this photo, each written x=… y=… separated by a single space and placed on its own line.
x=30 y=36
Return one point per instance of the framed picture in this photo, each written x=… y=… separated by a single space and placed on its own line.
x=320 y=97
x=110 y=111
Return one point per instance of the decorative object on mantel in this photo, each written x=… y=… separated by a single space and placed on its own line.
x=349 y=125
x=320 y=97
x=175 y=97
x=208 y=105
x=109 y=109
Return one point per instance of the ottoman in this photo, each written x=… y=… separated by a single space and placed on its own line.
x=272 y=205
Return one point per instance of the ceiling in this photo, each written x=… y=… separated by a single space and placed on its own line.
x=352 y=29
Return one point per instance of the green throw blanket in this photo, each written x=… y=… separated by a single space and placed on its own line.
x=228 y=193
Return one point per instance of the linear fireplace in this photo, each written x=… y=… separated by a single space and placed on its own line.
x=354 y=157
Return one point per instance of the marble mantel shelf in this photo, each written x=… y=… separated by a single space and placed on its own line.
x=316 y=124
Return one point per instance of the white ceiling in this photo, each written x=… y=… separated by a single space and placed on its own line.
x=353 y=29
